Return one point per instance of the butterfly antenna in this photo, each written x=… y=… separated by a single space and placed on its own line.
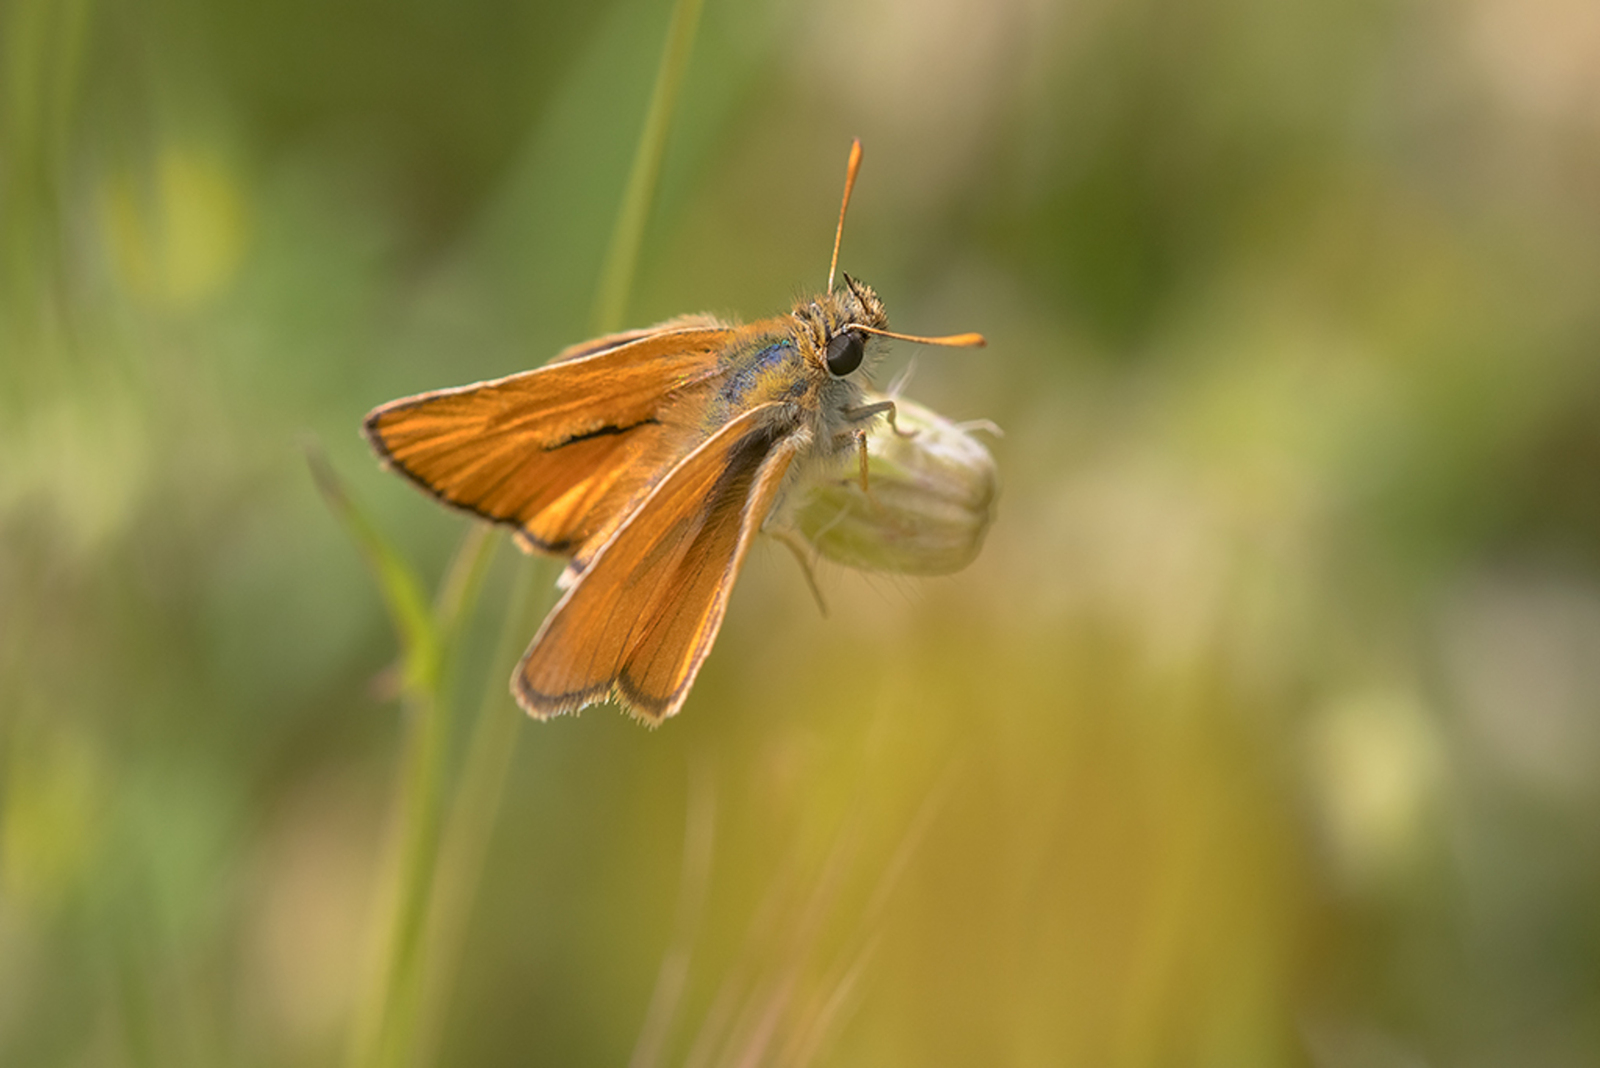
x=952 y=341
x=849 y=183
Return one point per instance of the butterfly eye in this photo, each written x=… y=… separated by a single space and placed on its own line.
x=844 y=353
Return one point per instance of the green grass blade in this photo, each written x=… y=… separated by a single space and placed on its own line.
x=622 y=257
x=474 y=809
x=386 y=1018
x=397 y=580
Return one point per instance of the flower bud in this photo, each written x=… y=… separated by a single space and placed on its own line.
x=930 y=497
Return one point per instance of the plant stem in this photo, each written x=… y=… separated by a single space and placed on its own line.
x=386 y=1021
x=622 y=258
x=473 y=813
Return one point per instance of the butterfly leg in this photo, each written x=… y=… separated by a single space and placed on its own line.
x=859 y=437
x=867 y=411
x=861 y=450
x=797 y=547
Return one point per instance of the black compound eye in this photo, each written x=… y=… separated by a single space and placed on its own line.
x=844 y=353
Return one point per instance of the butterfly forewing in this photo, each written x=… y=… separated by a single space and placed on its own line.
x=596 y=345
x=561 y=452
x=642 y=620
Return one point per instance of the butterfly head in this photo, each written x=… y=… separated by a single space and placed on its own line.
x=832 y=323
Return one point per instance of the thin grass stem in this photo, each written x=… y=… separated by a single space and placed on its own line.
x=473 y=812
x=385 y=1021
x=457 y=864
x=622 y=258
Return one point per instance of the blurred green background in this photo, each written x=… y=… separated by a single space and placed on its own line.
x=1265 y=730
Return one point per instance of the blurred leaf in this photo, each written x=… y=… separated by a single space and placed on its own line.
x=420 y=638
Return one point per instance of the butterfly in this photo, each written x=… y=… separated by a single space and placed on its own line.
x=650 y=459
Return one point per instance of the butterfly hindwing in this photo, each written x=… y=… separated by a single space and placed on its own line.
x=651 y=602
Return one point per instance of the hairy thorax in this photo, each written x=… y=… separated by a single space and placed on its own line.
x=783 y=359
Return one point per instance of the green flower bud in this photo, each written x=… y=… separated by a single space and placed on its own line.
x=930 y=497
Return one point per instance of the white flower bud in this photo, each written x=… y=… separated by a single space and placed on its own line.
x=930 y=497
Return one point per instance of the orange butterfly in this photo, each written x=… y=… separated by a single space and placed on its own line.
x=650 y=459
